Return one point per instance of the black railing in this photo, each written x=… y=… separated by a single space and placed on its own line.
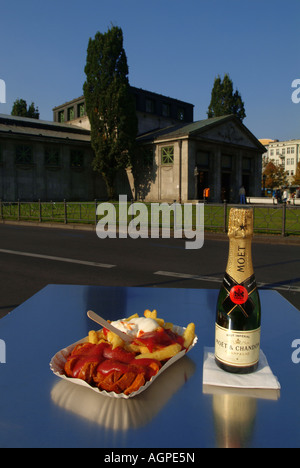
x=282 y=219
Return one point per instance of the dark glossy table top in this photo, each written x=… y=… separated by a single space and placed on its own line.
x=37 y=409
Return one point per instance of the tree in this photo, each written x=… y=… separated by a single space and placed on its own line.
x=296 y=179
x=224 y=101
x=109 y=105
x=276 y=176
x=20 y=109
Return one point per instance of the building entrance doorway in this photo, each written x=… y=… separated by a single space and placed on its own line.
x=226 y=186
x=201 y=183
x=246 y=183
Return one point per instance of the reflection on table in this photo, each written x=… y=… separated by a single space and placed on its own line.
x=234 y=413
x=121 y=414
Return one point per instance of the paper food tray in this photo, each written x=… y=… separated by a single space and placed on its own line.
x=58 y=361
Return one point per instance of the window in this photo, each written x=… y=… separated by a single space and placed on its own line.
x=283 y=151
x=277 y=152
x=61 y=116
x=247 y=164
x=71 y=114
x=202 y=159
x=292 y=149
x=271 y=152
x=166 y=111
x=24 y=154
x=150 y=105
x=180 y=113
x=292 y=161
x=52 y=157
x=167 y=155
x=288 y=150
x=226 y=161
x=81 y=109
x=288 y=162
x=77 y=159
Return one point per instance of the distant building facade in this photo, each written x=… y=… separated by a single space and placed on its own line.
x=285 y=154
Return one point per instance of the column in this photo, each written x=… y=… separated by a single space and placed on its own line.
x=216 y=174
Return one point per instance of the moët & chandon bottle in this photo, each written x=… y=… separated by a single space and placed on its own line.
x=238 y=320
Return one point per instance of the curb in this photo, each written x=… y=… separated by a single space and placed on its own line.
x=219 y=236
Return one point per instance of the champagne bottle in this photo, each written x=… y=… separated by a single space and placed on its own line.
x=238 y=320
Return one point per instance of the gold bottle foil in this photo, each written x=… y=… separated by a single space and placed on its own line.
x=240 y=233
x=240 y=223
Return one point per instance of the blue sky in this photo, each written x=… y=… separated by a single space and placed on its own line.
x=173 y=47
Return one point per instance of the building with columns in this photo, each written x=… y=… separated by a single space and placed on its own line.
x=218 y=153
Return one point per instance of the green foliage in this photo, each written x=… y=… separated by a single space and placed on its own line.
x=276 y=176
x=224 y=100
x=110 y=106
x=296 y=180
x=20 y=109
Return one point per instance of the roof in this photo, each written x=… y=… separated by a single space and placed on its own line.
x=14 y=125
x=266 y=141
x=133 y=89
x=188 y=130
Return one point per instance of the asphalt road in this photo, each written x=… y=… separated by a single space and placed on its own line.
x=32 y=257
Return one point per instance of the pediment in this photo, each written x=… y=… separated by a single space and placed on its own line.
x=230 y=132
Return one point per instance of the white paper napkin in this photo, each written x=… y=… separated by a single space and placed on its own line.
x=262 y=378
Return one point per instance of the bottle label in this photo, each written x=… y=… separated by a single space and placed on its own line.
x=237 y=348
x=238 y=295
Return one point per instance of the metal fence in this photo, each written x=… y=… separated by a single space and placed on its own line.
x=280 y=219
x=59 y=212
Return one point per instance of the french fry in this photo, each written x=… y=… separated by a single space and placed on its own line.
x=114 y=340
x=149 y=314
x=93 y=337
x=101 y=336
x=144 y=350
x=189 y=335
x=168 y=325
x=160 y=322
x=131 y=317
x=163 y=353
x=132 y=347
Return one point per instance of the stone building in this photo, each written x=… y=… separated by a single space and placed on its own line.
x=45 y=160
x=219 y=153
x=153 y=111
x=52 y=160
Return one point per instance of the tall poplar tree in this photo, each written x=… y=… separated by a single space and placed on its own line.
x=110 y=106
x=224 y=100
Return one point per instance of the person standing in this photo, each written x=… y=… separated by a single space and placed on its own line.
x=242 y=194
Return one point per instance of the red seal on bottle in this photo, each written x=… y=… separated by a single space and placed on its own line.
x=238 y=294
